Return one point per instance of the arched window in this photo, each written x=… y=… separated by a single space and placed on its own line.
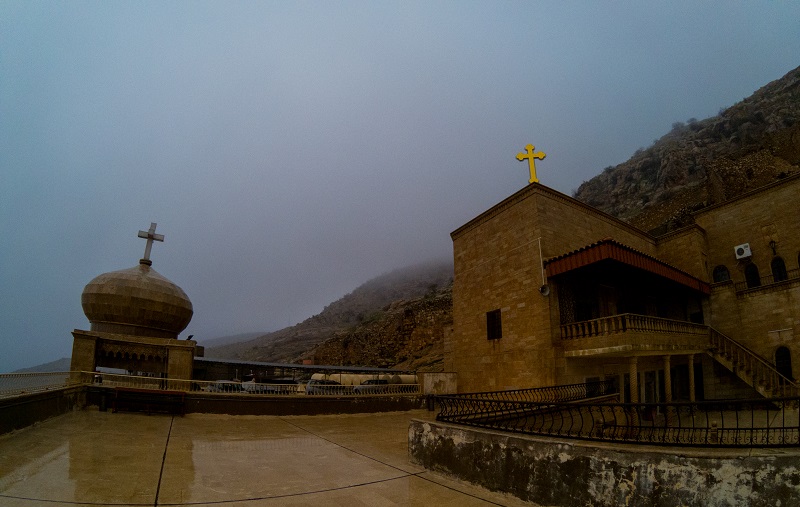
x=752 y=276
x=783 y=362
x=779 y=273
x=721 y=274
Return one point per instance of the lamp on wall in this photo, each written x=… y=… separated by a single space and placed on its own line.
x=773 y=244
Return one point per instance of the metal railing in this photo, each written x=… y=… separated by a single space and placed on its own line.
x=629 y=322
x=567 y=392
x=744 y=362
x=741 y=423
x=17 y=384
x=767 y=280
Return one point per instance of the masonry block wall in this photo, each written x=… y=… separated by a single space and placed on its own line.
x=497 y=264
x=767 y=317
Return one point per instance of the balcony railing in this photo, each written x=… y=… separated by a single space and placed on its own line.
x=767 y=281
x=729 y=423
x=629 y=322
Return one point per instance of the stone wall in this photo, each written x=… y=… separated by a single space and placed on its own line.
x=754 y=317
x=573 y=473
x=498 y=266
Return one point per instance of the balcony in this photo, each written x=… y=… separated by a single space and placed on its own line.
x=767 y=281
x=627 y=333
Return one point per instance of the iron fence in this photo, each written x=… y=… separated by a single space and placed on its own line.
x=18 y=384
x=739 y=423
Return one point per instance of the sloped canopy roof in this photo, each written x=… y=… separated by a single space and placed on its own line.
x=609 y=249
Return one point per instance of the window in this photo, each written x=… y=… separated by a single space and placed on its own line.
x=494 y=325
x=779 y=273
x=752 y=276
x=721 y=274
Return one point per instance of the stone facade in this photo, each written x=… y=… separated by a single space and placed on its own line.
x=530 y=266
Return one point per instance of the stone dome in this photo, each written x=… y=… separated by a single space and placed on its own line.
x=136 y=301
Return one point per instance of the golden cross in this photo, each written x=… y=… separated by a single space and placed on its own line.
x=531 y=156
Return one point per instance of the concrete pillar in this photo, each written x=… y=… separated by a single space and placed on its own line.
x=691 y=378
x=633 y=371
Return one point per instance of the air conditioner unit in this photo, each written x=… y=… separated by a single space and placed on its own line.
x=742 y=251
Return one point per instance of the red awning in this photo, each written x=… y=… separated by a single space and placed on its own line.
x=609 y=249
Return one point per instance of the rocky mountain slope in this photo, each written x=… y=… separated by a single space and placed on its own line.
x=407 y=334
x=703 y=162
x=362 y=306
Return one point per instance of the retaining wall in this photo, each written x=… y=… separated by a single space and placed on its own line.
x=574 y=473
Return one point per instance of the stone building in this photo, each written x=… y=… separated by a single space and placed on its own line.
x=548 y=290
x=136 y=315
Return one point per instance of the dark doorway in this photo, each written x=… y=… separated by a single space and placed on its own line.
x=779 y=273
x=752 y=276
x=783 y=362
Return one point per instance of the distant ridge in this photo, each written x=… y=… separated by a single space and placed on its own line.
x=62 y=364
x=290 y=344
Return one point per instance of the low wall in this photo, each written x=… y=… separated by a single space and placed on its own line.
x=249 y=404
x=21 y=411
x=573 y=473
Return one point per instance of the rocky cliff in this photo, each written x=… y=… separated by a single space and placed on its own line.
x=366 y=304
x=702 y=162
x=406 y=334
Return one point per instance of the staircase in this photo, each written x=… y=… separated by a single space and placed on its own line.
x=748 y=366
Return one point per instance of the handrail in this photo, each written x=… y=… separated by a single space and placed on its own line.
x=761 y=371
x=627 y=322
x=16 y=384
x=725 y=423
x=567 y=392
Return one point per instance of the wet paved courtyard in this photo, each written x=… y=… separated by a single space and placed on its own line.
x=129 y=459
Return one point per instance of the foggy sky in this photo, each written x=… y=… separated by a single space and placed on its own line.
x=290 y=151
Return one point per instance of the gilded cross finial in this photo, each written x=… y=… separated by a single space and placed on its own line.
x=531 y=156
x=150 y=236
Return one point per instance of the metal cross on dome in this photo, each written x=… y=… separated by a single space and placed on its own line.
x=531 y=156
x=150 y=236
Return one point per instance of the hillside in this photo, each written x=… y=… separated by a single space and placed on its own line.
x=703 y=162
x=364 y=304
x=408 y=334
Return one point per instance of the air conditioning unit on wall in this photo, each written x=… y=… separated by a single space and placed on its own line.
x=742 y=251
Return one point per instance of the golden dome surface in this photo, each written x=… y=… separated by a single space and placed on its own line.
x=137 y=301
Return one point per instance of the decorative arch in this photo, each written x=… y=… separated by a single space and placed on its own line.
x=721 y=274
x=752 y=276
x=779 y=272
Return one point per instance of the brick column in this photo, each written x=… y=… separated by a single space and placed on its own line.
x=691 y=378
x=634 y=378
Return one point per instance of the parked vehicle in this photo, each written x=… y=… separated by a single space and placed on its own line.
x=225 y=386
x=372 y=386
x=322 y=386
x=271 y=386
